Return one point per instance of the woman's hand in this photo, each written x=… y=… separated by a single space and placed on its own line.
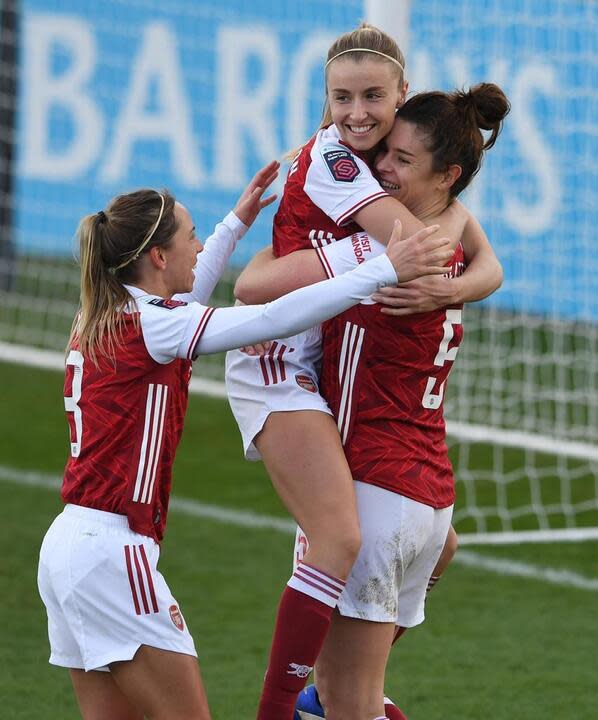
x=250 y=204
x=257 y=349
x=419 y=254
x=416 y=296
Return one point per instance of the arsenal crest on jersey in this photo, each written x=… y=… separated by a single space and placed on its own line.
x=342 y=165
x=306 y=382
x=176 y=617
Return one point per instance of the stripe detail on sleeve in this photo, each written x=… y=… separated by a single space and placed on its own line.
x=151 y=443
x=140 y=580
x=199 y=332
x=349 y=359
x=325 y=263
x=346 y=216
x=272 y=364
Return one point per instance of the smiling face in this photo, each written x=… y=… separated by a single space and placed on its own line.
x=404 y=168
x=181 y=254
x=363 y=97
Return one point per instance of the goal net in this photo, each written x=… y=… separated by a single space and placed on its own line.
x=522 y=409
x=98 y=98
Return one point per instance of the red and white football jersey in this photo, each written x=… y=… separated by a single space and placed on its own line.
x=126 y=415
x=326 y=185
x=384 y=378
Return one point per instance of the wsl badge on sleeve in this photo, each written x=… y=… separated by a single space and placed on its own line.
x=341 y=163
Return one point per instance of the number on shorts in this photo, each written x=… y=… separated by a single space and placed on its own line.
x=432 y=400
x=71 y=403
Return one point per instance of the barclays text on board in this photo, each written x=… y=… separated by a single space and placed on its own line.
x=161 y=102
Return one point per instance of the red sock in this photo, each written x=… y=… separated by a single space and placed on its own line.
x=392 y=711
x=301 y=626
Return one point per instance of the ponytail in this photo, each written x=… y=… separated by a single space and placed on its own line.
x=110 y=245
x=487 y=105
x=103 y=298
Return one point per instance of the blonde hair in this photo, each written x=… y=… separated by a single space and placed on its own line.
x=111 y=243
x=366 y=41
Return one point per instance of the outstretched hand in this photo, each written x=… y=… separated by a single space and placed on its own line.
x=419 y=254
x=251 y=202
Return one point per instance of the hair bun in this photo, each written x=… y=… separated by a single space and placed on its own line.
x=487 y=105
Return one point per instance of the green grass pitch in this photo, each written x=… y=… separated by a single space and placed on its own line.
x=493 y=646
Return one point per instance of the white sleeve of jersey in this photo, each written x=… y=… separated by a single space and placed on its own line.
x=228 y=328
x=339 y=182
x=349 y=252
x=171 y=328
x=212 y=261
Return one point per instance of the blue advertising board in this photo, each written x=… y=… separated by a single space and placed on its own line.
x=195 y=96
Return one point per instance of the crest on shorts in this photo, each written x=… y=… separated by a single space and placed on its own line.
x=342 y=164
x=306 y=382
x=166 y=303
x=176 y=617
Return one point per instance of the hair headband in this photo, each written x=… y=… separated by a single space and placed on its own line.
x=375 y=52
x=147 y=238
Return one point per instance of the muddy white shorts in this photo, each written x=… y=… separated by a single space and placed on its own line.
x=401 y=541
x=284 y=379
x=103 y=593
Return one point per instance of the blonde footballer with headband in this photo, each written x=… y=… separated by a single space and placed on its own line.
x=330 y=193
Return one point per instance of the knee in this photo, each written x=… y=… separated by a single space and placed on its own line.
x=348 y=544
x=352 y=543
x=336 y=547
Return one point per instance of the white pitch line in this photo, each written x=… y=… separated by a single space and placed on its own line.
x=52 y=360
x=244 y=518
x=520 y=569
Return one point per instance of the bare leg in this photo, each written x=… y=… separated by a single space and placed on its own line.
x=350 y=668
x=156 y=684
x=99 y=697
x=448 y=552
x=304 y=457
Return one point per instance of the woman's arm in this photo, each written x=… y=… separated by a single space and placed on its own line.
x=482 y=276
x=266 y=277
x=218 y=248
x=227 y=328
x=377 y=220
x=484 y=268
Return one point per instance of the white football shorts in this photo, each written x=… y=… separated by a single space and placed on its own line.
x=103 y=593
x=284 y=379
x=401 y=541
